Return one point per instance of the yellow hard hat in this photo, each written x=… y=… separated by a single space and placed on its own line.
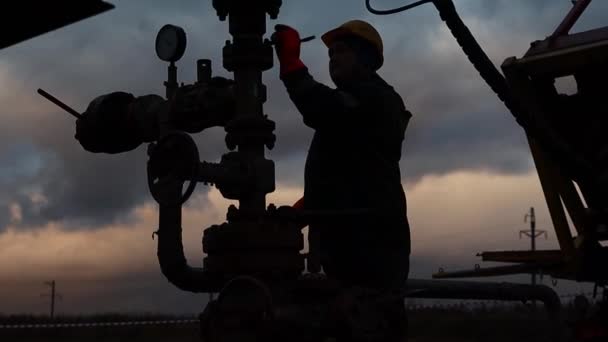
x=358 y=28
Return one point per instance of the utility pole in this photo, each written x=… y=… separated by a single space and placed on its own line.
x=53 y=294
x=532 y=234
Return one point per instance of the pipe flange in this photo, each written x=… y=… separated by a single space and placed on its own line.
x=250 y=130
x=252 y=54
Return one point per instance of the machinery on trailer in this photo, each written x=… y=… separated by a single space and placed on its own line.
x=566 y=137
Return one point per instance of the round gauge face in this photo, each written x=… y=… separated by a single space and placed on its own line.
x=170 y=43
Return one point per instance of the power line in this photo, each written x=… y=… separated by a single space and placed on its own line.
x=532 y=233
x=52 y=295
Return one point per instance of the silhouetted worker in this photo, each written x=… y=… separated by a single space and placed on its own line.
x=353 y=160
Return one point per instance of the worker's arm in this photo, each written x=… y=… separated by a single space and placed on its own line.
x=320 y=105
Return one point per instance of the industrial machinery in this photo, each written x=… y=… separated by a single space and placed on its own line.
x=254 y=259
x=566 y=139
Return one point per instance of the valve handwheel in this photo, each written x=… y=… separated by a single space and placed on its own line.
x=174 y=159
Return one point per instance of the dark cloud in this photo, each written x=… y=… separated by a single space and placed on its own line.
x=485 y=143
x=110 y=52
x=458 y=122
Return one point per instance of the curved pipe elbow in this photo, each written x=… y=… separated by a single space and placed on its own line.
x=173 y=263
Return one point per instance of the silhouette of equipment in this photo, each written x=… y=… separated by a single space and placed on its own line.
x=254 y=259
x=566 y=138
x=254 y=241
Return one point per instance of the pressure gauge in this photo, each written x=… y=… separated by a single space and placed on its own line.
x=170 y=43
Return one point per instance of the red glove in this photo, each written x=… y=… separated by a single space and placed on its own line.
x=287 y=45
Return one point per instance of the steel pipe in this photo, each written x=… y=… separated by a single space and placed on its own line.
x=448 y=289
x=170 y=252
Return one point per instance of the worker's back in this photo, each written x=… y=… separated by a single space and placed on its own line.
x=355 y=165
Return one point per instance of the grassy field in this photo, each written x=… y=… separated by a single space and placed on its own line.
x=432 y=324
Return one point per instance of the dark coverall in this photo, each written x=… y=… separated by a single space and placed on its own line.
x=353 y=163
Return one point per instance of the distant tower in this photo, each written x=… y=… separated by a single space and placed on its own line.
x=532 y=234
x=53 y=295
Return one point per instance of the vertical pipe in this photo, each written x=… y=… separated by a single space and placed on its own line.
x=203 y=70
x=171 y=84
x=247 y=27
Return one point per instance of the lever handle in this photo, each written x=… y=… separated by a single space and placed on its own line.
x=59 y=103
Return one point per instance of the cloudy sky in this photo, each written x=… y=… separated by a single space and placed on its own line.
x=85 y=220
